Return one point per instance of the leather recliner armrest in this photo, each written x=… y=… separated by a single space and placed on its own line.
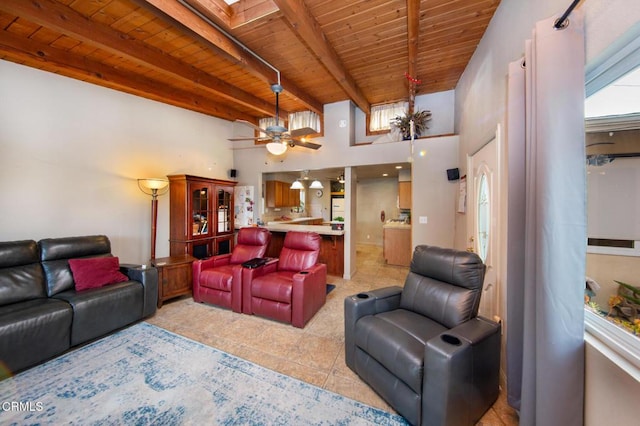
x=461 y=373
x=309 y=293
x=148 y=277
x=362 y=304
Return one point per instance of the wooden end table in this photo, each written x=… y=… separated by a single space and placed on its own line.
x=175 y=276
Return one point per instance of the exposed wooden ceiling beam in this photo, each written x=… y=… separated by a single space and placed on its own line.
x=247 y=11
x=413 y=36
x=33 y=53
x=226 y=46
x=65 y=20
x=307 y=28
x=236 y=15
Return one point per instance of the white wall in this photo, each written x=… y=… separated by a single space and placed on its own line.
x=374 y=196
x=433 y=195
x=611 y=394
x=70 y=154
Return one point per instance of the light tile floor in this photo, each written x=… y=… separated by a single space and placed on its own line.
x=314 y=354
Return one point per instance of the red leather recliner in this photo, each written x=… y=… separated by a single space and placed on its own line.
x=218 y=279
x=292 y=288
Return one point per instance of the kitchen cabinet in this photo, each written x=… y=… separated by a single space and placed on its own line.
x=280 y=194
x=397 y=244
x=200 y=216
x=404 y=195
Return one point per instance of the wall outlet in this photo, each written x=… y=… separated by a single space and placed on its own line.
x=423 y=219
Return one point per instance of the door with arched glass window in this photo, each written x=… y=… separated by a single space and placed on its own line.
x=482 y=221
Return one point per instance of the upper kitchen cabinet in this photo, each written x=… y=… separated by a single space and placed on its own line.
x=201 y=216
x=404 y=195
x=280 y=194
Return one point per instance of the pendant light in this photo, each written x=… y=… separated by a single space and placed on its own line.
x=297 y=185
x=316 y=184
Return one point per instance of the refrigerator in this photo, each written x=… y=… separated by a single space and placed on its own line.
x=337 y=207
x=243 y=206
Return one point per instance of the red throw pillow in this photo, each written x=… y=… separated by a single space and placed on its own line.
x=96 y=272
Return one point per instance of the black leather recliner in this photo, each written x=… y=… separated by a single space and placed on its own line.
x=422 y=347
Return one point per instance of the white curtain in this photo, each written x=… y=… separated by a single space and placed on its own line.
x=303 y=119
x=381 y=115
x=269 y=121
x=547 y=227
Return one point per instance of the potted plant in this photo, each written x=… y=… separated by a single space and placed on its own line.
x=403 y=123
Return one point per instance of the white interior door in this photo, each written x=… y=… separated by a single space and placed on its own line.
x=482 y=221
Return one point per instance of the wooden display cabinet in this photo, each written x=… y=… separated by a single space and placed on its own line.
x=201 y=216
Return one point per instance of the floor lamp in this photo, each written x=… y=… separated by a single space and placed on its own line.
x=153 y=187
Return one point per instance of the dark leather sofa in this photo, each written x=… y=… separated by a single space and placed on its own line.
x=422 y=347
x=41 y=313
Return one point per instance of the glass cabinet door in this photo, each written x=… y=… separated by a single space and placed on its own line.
x=200 y=210
x=225 y=210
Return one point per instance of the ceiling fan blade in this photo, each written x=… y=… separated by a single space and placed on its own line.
x=305 y=144
x=245 y=139
x=302 y=132
x=259 y=129
x=600 y=143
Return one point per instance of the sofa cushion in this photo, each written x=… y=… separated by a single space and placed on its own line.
x=33 y=331
x=99 y=311
x=21 y=276
x=300 y=251
x=219 y=278
x=56 y=252
x=252 y=242
x=276 y=286
x=396 y=339
x=95 y=272
x=444 y=285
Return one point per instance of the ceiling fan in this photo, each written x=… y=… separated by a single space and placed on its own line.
x=602 y=159
x=279 y=137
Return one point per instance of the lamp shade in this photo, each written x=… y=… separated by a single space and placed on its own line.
x=276 y=148
x=316 y=184
x=153 y=186
x=153 y=183
x=297 y=185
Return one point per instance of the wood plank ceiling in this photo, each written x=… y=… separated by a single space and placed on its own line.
x=324 y=50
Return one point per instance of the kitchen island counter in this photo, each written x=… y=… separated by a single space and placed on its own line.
x=297 y=220
x=286 y=227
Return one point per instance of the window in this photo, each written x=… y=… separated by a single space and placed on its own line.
x=381 y=115
x=613 y=165
x=484 y=216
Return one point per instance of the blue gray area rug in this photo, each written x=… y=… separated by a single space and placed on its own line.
x=145 y=375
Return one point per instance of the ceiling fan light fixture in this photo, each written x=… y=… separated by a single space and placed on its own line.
x=316 y=184
x=297 y=185
x=276 y=148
